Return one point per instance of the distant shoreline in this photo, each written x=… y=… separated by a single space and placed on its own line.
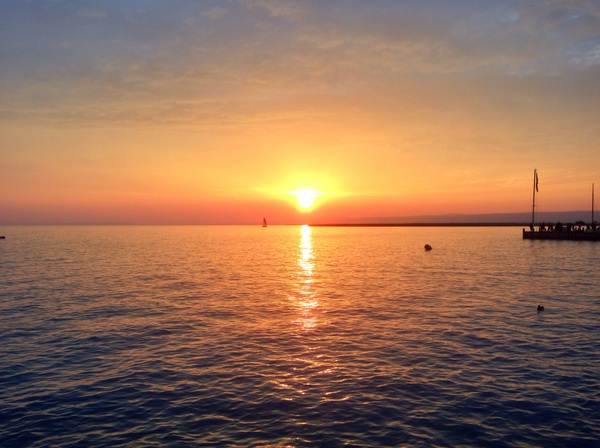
x=425 y=224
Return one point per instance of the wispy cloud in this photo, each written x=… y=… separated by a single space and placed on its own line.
x=286 y=9
x=92 y=14
x=333 y=47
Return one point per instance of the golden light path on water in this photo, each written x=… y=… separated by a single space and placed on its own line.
x=306 y=299
x=314 y=365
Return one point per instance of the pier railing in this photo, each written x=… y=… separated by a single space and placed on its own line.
x=564 y=234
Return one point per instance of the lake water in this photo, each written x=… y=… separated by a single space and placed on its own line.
x=297 y=336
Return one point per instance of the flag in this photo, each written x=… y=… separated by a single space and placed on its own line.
x=536 y=180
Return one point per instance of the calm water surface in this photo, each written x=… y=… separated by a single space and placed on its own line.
x=297 y=336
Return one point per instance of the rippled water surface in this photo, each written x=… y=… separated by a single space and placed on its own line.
x=297 y=336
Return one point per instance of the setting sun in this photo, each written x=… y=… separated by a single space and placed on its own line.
x=305 y=197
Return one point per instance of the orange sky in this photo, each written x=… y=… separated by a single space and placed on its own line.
x=213 y=112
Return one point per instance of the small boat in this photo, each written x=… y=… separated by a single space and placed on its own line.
x=564 y=232
x=264 y=224
x=2 y=237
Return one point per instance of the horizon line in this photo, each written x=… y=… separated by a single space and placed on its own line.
x=512 y=219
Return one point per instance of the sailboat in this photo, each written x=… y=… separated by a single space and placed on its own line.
x=264 y=224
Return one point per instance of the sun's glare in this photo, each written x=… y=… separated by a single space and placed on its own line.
x=305 y=197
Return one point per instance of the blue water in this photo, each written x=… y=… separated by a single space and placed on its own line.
x=297 y=336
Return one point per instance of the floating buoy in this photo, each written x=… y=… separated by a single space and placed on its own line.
x=540 y=308
x=427 y=247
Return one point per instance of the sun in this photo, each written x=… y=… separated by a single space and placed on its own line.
x=305 y=197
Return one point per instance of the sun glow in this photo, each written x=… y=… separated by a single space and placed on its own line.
x=305 y=197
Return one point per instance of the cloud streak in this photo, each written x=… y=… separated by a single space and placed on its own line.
x=156 y=59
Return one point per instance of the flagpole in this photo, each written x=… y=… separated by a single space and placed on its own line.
x=592 y=204
x=533 y=204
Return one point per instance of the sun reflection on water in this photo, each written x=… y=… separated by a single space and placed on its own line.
x=314 y=373
x=306 y=300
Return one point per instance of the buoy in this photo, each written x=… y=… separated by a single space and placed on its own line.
x=540 y=308
x=427 y=247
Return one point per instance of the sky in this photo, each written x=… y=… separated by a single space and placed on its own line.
x=220 y=112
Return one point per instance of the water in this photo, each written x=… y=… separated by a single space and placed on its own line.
x=297 y=336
